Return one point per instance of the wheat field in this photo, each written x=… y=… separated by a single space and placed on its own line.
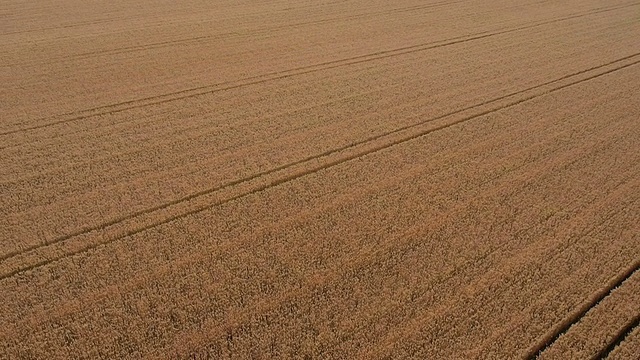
x=438 y=179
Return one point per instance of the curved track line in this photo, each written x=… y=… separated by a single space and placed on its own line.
x=577 y=314
x=259 y=79
x=505 y=268
x=298 y=162
x=89 y=23
x=374 y=256
x=619 y=338
x=79 y=24
x=162 y=44
x=289 y=177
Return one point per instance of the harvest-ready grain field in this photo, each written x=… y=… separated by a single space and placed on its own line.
x=320 y=179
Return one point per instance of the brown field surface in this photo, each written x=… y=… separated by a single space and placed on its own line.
x=355 y=179
x=629 y=348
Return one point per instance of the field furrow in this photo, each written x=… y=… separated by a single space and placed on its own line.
x=606 y=322
x=628 y=348
x=324 y=179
